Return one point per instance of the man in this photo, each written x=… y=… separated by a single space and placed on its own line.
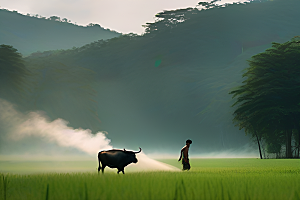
x=185 y=153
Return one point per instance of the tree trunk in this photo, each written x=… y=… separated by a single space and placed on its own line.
x=258 y=145
x=296 y=125
x=289 y=144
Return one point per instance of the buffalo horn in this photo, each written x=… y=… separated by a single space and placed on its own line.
x=138 y=151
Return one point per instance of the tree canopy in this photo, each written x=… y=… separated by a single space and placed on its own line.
x=13 y=72
x=268 y=101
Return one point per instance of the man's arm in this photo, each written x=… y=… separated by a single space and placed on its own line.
x=180 y=155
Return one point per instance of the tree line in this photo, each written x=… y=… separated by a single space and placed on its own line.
x=268 y=102
x=55 y=87
x=56 y=19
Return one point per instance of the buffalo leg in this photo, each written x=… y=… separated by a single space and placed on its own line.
x=102 y=168
x=99 y=167
x=120 y=170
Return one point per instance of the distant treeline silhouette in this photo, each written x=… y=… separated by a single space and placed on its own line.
x=33 y=33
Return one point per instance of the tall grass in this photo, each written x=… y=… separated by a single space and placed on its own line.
x=4 y=183
x=240 y=180
x=47 y=192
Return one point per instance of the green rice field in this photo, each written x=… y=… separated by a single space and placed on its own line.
x=208 y=179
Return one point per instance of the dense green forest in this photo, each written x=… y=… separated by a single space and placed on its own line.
x=171 y=81
x=35 y=33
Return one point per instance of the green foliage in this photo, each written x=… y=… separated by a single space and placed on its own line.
x=47 y=192
x=274 y=141
x=208 y=5
x=267 y=102
x=12 y=67
x=4 y=183
x=13 y=73
x=167 y=20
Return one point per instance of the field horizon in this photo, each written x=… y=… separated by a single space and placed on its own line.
x=82 y=164
x=227 y=178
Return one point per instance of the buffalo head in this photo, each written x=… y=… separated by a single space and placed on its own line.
x=132 y=157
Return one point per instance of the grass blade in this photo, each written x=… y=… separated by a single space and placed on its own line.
x=5 y=183
x=47 y=192
x=86 y=193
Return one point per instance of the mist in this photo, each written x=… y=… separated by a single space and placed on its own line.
x=35 y=124
x=40 y=139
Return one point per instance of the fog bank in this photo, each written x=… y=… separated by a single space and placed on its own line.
x=41 y=140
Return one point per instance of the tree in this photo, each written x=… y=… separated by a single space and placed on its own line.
x=13 y=72
x=167 y=20
x=208 y=5
x=269 y=96
x=64 y=20
x=274 y=141
x=54 y=18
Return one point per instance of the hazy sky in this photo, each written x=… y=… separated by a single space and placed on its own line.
x=120 y=15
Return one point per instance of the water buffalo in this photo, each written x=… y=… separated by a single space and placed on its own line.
x=116 y=158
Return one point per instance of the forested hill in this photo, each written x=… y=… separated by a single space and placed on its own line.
x=171 y=83
x=30 y=34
